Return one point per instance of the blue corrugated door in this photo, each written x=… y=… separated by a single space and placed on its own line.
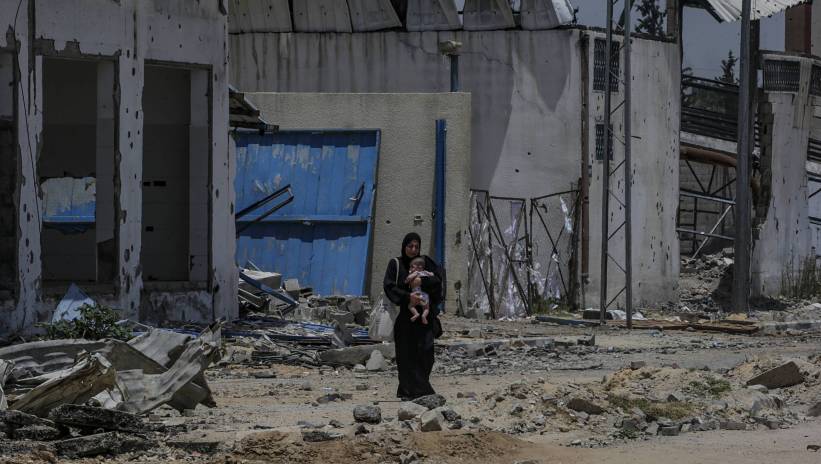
x=323 y=237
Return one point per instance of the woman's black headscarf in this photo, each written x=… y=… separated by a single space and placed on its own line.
x=409 y=238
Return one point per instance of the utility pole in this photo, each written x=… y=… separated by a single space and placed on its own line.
x=612 y=80
x=743 y=222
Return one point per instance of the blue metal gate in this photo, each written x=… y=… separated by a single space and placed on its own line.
x=323 y=236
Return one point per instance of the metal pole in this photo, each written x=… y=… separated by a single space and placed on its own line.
x=606 y=166
x=741 y=267
x=628 y=170
x=454 y=73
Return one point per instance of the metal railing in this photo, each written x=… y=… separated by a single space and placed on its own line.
x=709 y=108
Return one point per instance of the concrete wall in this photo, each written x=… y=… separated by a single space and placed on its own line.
x=527 y=121
x=130 y=33
x=405 y=176
x=782 y=238
x=655 y=171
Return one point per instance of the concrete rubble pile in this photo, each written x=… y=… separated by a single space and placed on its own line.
x=81 y=398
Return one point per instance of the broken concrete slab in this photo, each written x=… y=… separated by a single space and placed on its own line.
x=37 y=433
x=583 y=405
x=101 y=443
x=409 y=410
x=14 y=419
x=785 y=375
x=90 y=376
x=432 y=421
x=88 y=417
x=354 y=355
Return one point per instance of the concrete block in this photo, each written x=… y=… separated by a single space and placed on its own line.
x=101 y=443
x=582 y=405
x=373 y=15
x=487 y=15
x=321 y=16
x=354 y=355
x=432 y=421
x=432 y=15
x=259 y=16
x=93 y=418
x=545 y=14
x=785 y=375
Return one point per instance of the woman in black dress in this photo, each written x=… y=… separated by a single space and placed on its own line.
x=413 y=339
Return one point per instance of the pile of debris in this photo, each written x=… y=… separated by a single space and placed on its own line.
x=86 y=397
x=263 y=292
x=706 y=282
x=642 y=402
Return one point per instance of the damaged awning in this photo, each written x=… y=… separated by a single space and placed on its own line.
x=243 y=114
x=730 y=10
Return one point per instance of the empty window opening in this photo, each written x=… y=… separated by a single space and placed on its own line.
x=8 y=179
x=176 y=173
x=76 y=171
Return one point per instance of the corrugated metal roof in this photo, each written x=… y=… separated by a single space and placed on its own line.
x=730 y=10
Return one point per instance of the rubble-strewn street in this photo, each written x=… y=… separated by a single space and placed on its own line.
x=510 y=392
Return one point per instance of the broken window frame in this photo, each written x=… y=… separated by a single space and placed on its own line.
x=14 y=127
x=111 y=283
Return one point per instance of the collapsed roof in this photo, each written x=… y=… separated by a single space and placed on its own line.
x=730 y=10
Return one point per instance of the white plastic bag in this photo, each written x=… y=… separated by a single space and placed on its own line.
x=382 y=320
x=383 y=316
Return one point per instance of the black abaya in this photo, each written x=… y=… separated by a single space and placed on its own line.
x=413 y=340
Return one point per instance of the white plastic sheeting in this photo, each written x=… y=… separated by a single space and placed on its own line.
x=730 y=10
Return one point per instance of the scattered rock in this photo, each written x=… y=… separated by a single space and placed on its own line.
x=306 y=386
x=587 y=340
x=785 y=375
x=431 y=421
x=15 y=419
x=759 y=388
x=376 y=362
x=431 y=401
x=360 y=429
x=330 y=397
x=314 y=436
x=636 y=365
x=516 y=410
x=362 y=387
x=409 y=410
x=652 y=429
x=582 y=405
x=676 y=397
x=449 y=414
x=354 y=355
x=367 y=414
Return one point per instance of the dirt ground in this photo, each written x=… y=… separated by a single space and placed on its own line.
x=262 y=410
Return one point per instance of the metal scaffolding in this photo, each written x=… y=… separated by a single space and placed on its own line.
x=626 y=165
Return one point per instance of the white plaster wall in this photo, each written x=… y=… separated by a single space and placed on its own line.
x=655 y=172
x=132 y=31
x=407 y=149
x=784 y=236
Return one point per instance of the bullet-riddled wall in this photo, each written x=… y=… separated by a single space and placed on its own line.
x=117 y=44
x=405 y=176
x=533 y=116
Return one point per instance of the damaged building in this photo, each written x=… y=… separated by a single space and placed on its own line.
x=115 y=161
x=536 y=84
